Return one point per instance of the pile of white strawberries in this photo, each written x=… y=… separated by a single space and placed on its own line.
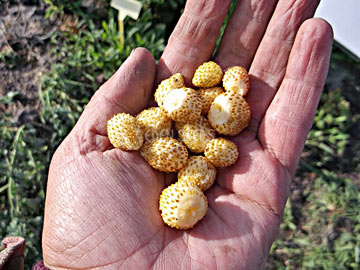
x=201 y=116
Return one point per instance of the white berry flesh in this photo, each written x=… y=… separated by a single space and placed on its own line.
x=182 y=205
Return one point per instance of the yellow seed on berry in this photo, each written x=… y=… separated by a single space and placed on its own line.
x=196 y=134
x=236 y=79
x=124 y=132
x=155 y=123
x=182 y=205
x=182 y=104
x=198 y=170
x=174 y=82
x=165 y=154
x=208 y=74
x=221 y=152
x=207 y=97
x=229 y=113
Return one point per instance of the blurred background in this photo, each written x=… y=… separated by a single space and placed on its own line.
x=55 y=54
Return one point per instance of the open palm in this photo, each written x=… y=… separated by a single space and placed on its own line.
x=102 y=203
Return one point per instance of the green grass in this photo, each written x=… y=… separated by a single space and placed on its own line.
x=326 y=235
x=328 y=138
x=321 y=227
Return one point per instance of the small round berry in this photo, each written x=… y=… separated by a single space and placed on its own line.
x=200 y=171
x=155 y=123
x=165 y=154
x=208 y=74
x=229 y=113
x=124 y=132
x=221 y=152
x=182 y=104
x=182 y=205
x=236 y=79
x=174 y=82
x=196 y=134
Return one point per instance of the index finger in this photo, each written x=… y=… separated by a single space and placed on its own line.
x=193 y=39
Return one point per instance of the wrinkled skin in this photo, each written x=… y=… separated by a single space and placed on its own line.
x=102 y=203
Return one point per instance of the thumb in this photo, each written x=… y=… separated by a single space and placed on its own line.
x=128 y=90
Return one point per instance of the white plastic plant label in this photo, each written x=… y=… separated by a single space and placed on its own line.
x=344 y=18
x=127 y=8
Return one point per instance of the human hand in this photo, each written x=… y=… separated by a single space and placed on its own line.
x=102 y=203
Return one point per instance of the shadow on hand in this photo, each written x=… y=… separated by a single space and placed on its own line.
x=226 y=218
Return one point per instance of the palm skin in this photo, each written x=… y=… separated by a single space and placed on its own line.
x=102 y=203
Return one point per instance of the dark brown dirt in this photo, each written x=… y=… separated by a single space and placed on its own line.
x=345 y=74
x=25 y=51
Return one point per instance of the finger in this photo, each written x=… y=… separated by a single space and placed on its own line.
x=268 y=67
x=244 y=32
x=128 y=90
x=288 y=120
x=193 y=39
